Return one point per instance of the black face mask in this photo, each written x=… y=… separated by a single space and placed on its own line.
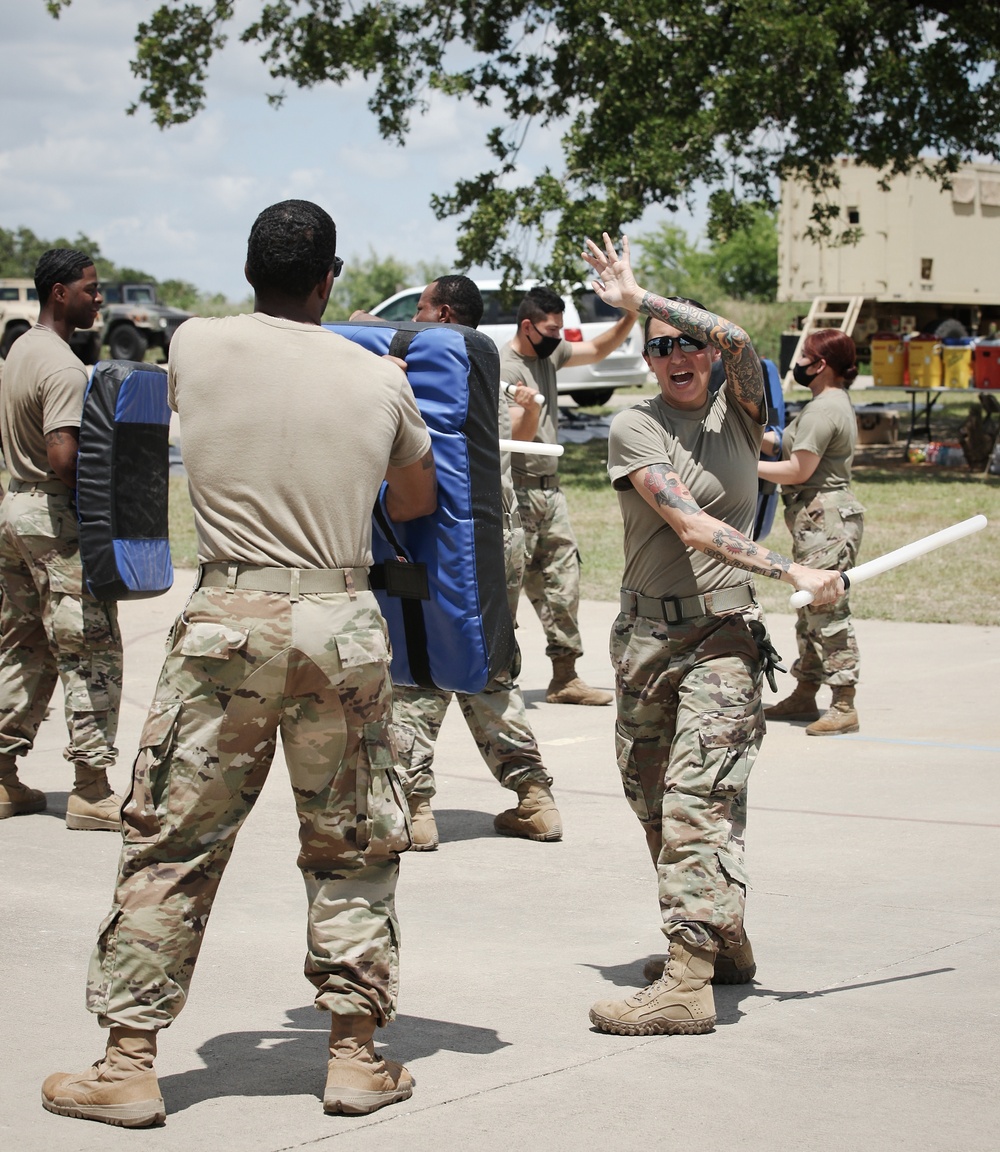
x=546 y=345
x=800 y=374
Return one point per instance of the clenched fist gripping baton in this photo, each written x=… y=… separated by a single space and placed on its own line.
x=899 y=556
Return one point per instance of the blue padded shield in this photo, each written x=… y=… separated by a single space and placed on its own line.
x=767 y=490
x=123 y=482
x=441 y=579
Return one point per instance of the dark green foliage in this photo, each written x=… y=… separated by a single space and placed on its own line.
x=654 y=98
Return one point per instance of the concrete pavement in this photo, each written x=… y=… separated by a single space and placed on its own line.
x=874 y=916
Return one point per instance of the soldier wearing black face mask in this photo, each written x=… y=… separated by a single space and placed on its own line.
x=552 y=561
x=826 y=522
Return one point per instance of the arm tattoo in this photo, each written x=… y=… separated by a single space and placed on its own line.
x=56 y=438
x=668 y=490
x=741 y=361
x=738 y=551
x=427 y=460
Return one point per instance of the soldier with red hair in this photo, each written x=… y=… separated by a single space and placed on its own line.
x=826 y=522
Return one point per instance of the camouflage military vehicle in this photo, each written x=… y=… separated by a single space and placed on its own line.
x=135 y=320
x=19 y=311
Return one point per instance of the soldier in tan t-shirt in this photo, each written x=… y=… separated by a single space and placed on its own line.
x=287 y=432
x=690 y=647
x=826 y=523
x=49 y=623
x=551 y=555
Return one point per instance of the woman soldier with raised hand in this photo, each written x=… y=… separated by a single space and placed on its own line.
x=690 y=647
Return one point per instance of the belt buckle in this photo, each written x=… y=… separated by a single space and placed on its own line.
x=666 y=604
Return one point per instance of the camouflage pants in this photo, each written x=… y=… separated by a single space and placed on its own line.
x=242 y=667
x=552 y=568
x=826 y=533
x=688 y=731
x=496 y=716
x=49 y=628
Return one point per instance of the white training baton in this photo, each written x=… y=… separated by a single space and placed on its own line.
x=511 y=389
x=530 y=448
x=900 y=556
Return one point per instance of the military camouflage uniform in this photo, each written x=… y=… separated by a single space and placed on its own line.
x=242 y=666
x=552 y=570
x=552 y=558
x=51 y=627
x=826 y=530
x=689 y=727
x=825 y=521
x=496 y=716
x=690 y=720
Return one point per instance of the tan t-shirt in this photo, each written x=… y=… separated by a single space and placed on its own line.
x=540 y=374
x=286 y=432
x=43 y=387
x=714 y=450
x=827 y=426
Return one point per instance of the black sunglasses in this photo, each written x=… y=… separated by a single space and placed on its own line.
x=664 y=345
x=338 y=266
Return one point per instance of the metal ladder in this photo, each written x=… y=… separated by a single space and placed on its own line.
x=826 y=312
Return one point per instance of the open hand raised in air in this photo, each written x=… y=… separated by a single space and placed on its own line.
x=616 y=285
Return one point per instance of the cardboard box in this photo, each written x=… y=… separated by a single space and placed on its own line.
x=876 y=427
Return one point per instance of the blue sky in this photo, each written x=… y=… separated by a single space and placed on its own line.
x=179 y=203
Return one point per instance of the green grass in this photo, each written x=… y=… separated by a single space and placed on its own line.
x=959 y=584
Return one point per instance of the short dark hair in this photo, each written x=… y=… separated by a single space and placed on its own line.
x=462 y=296
x=539 y=303
x=291 y=248
x=677 y=300
x=59 y=266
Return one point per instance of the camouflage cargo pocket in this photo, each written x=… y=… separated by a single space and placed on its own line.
x=632 y=776
x=734 y=871
x=214 y=641
x=39 y=519
x=367 y=645
x=383 y=820
x=149 y=775
x=728 y=737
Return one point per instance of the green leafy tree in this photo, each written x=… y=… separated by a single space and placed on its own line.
x=668 y=263
x=740 y=266
x=20 y=250
x=745 y=261
x=654 y=98
x=366 y=282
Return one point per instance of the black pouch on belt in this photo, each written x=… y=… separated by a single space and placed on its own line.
x=768 y=654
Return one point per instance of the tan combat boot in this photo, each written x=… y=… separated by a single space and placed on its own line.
x=536 y=816
x=422 y=824
x=357 y=1081
x=679 y=1003
x=801 y=705
x=566 y=687
x=840 y=717
x=92 y=806
x=733 y=965
x=17 y=799
x=121 y=1089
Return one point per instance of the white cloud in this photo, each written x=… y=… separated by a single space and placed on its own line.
x=179 y=203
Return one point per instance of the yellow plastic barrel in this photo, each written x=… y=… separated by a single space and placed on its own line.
x=956 y=357
x=887 y=360
x=926 y=368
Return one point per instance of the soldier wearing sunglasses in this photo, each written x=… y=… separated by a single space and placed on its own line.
x=689 y=646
